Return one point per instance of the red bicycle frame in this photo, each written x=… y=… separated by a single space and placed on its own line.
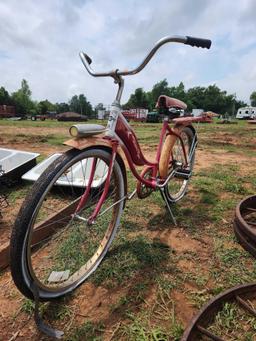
x=127 y=140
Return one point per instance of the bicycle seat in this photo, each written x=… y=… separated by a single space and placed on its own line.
x=166 y=102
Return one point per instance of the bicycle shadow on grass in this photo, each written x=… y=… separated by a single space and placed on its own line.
x=160 y=221
x=130 y=257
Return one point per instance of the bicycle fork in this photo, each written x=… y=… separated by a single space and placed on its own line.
x=86 y=194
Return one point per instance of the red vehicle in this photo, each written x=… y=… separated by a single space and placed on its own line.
x=137 y=115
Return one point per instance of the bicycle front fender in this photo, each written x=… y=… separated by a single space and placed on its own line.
x=89 y=141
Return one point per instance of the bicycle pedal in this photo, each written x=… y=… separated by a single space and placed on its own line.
x=182 y=173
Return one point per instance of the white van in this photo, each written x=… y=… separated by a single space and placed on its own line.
x=246 y=113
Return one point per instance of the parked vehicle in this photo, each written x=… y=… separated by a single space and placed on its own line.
x=137 y=114
x=153 y=117
x=197 y=112
x=246 y=113
x=71 y=116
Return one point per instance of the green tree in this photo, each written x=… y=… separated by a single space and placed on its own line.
x=62 y=107
x=44 y=106
x=178 y=92
x=195 y=97
x=22 y=99
x=80 y=105
x=5 y=98
x=138 y=99
x=100 y=106
x=85 y=106
x=253 y=99
x=74 y=104
x=160 y=88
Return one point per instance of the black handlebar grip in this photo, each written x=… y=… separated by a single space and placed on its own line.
x=89 y=60
x=198 y=42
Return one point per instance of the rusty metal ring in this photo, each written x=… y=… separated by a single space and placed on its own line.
x=198 y=325
x=243 y=210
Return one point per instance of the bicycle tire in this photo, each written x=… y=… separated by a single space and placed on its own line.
x=48 y=191
x=176 y=187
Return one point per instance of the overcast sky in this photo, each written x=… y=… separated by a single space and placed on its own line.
x=40 y=41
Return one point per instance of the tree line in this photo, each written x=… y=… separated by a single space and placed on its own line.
x=210 y=98
x=24 y=105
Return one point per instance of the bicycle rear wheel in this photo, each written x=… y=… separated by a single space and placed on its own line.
x=177 y=185
x=50 y=245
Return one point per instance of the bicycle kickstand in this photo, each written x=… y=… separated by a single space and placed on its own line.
x=168 y=206
x=54 y=333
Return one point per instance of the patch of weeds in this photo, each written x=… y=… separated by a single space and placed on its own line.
x=156 y=197
x=57 y=311
x=88 y=331
x=70 y=255
x=233 y=323
x=224 y=178
x=230 y=256
x=130 y=256
x=159 y=221
x=120 y=304
x=28 y=306
x=139 y=329
x=191 y=218
x=52 y=311
x=200 y=297
x=197 y=278
x=16 y=193
x=157 y=323
x=208 y=198
x=236 y=187
x=203 y=183
x=55 y=140
x=134 y=297
x=226 y=317
x=169 y=282
x=137 y=207
x=221 y=208
x=232 y=265
x=130 y=225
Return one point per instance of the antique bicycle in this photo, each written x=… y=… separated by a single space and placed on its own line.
x=70 y=216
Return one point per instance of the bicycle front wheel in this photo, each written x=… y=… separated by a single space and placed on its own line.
x=177 y=185
x=52 y=245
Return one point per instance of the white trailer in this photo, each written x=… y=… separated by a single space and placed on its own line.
x=197 y=112
x=246 y=113
x=101 y=114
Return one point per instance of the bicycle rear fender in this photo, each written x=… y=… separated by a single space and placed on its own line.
x=97 y=141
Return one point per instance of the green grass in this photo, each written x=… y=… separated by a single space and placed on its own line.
x=46 y=123
x=232 y=265
x=88 y=331
x=146 y=325
x=127 y=257
x=228 y=322
x=142 y=271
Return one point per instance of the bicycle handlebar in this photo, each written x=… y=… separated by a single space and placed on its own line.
x=198 y=42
